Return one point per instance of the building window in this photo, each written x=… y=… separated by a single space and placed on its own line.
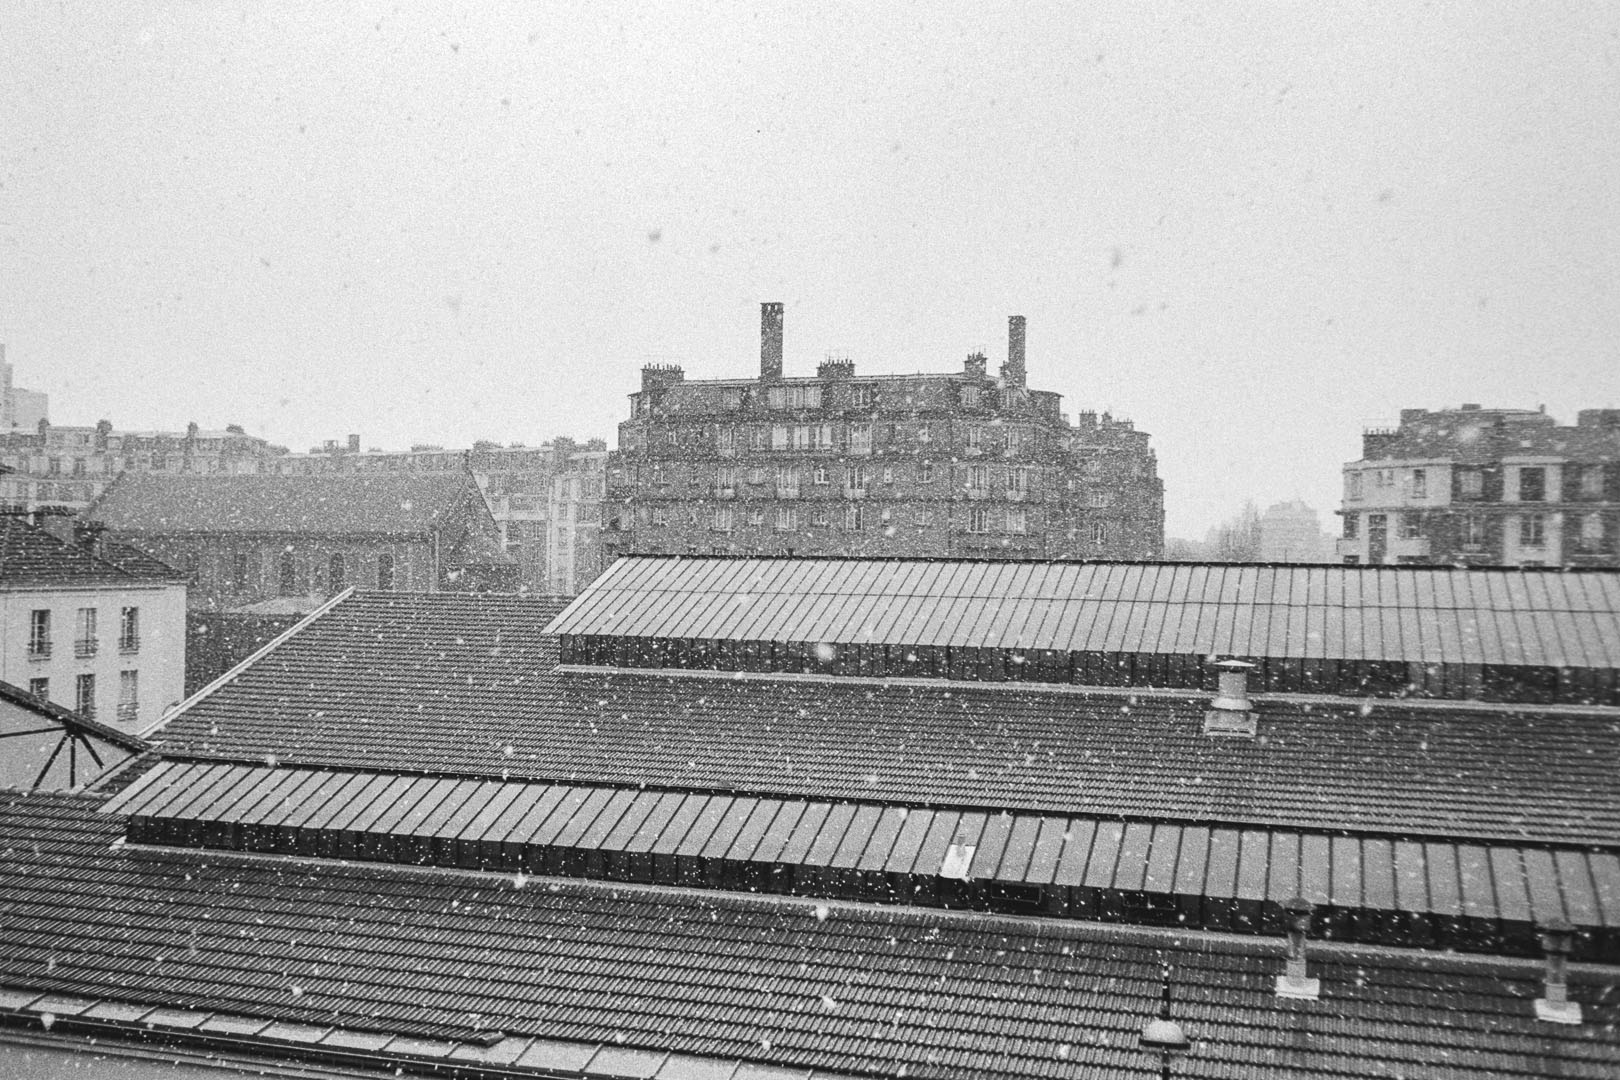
x=1470 y=483
x=84 y=642
x=39 y=633
x=1533 y=531
x=1355 y=488
x=756 y=517
x=784 y=519
x=823 y=475
x=1420 y=484
x=1473 y=531
x=239 y=571
x=855 y=478
x=1591 y=538
x=756 y=474
x=975 y=437
x=888 y=474
x=779 y=437
x=1592 y=482
x=921 y=516
x=1411 y=526
x=84 y=696
x=1352 y=526
x=795 y=397
x=978 y=479
x=787 y=481
x=129 y=630
x=288 y=573
x=1532 y=484
x=336 y=575
x=725 y=480
x=722 y=518
x=924 y=434
x=865 y=397
x=1017 y=520
x=970 y=396
x=1099 y=499
x=978 y=520
x=1018 y=479
x=860 y=438
x=129 y=696
x=925 y=472
x=855 y=518
x=1099 y=532
x=40 y=688
x=385 y=572
x=731 y=397
x=820 y=516
x=725 y=438
x=660 y=515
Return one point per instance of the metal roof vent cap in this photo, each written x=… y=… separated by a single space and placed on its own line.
x=1554 y=1006
x=1231 y=713
x=1295 y=982
x=1162 y=1035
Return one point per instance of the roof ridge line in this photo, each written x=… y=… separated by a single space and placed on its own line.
x=263 y=650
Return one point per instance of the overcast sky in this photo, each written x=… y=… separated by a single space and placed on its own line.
x=1251 y=228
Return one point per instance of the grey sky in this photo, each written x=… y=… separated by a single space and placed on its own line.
x=1252 y=228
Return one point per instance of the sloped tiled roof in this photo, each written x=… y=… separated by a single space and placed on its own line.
x=466 y=685
x=394 y=505
x=1395 y=613
x=781 y=982
x=31 y=557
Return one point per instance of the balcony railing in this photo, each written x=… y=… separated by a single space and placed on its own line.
x=86 y=647
x=128 y=712
x=39 y=650
x=129 y=644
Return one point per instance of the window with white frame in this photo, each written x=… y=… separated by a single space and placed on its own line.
x=975 y=437
x=1017 y=520
x=978 y=478
x=819 y=516
x=1471 y=531
x=129 y=696
x=84 y=695
x=1420 y=484
x=39 y=632
x=784 y=519
x=1018 y=479
x=779 y=437
x=1591 y=485
x=888 y=474
x=1099 y=532
x=1533 y=531
x=823 y=474
x=85 y=642
x=722 y=518
x=756 y=517
x=860 y=438
x=865 y=397
x=1470 y=483
x=978 y=519
x=854 y=517
x=1592 y=532
x=925 y=472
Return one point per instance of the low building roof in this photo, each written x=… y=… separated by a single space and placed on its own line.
x=318 y=946
x=1382 y=613
x=33 y=558
x=402 y=504
x=463 y=685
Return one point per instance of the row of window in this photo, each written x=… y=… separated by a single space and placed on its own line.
x=1471 y=530
x=1013 y=520
x=86 y=641
x=84 y=694
x=245 y=572
x=857 y=438
x=1588 y=482
x=859 y=396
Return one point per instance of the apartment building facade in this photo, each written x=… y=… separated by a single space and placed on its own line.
x=546 y=500
x=927 y=464
x=1477 y=486
x=90 y=625
x=69 y=467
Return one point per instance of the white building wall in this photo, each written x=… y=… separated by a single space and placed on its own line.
x=159 y=659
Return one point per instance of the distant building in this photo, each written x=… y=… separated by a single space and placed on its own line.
x=1486 y=486
x=94 y=626
x=546 y=500
x=68 y=467
x=19 y=408
x=926 y=464
x=1290 y=532
x=245 y=540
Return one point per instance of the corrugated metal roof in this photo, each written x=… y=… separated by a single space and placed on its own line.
x=1394 y=613
x=1258 y=865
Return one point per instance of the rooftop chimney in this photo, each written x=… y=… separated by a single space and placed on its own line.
x=973 y=366
x=1012 y=373
x=354 y=444
x=1231 y=713
x=770 y=342
x=1554 y=1006
x=1294 y=982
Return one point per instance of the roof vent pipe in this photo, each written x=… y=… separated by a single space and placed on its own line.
x=1294 y=982
x=1231 y=713
x=1554 y=1006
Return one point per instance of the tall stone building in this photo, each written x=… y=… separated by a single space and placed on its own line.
x=961 y=463
x=1486 y=486
x=19 y=409
x=546 y=499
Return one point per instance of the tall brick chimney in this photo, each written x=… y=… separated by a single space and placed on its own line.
x=770 y=342
x=1012 y=372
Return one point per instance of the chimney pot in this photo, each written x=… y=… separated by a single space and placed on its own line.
x=1231 y=712
x=1295 y=981
x=1557 y=942
x=770 y=342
